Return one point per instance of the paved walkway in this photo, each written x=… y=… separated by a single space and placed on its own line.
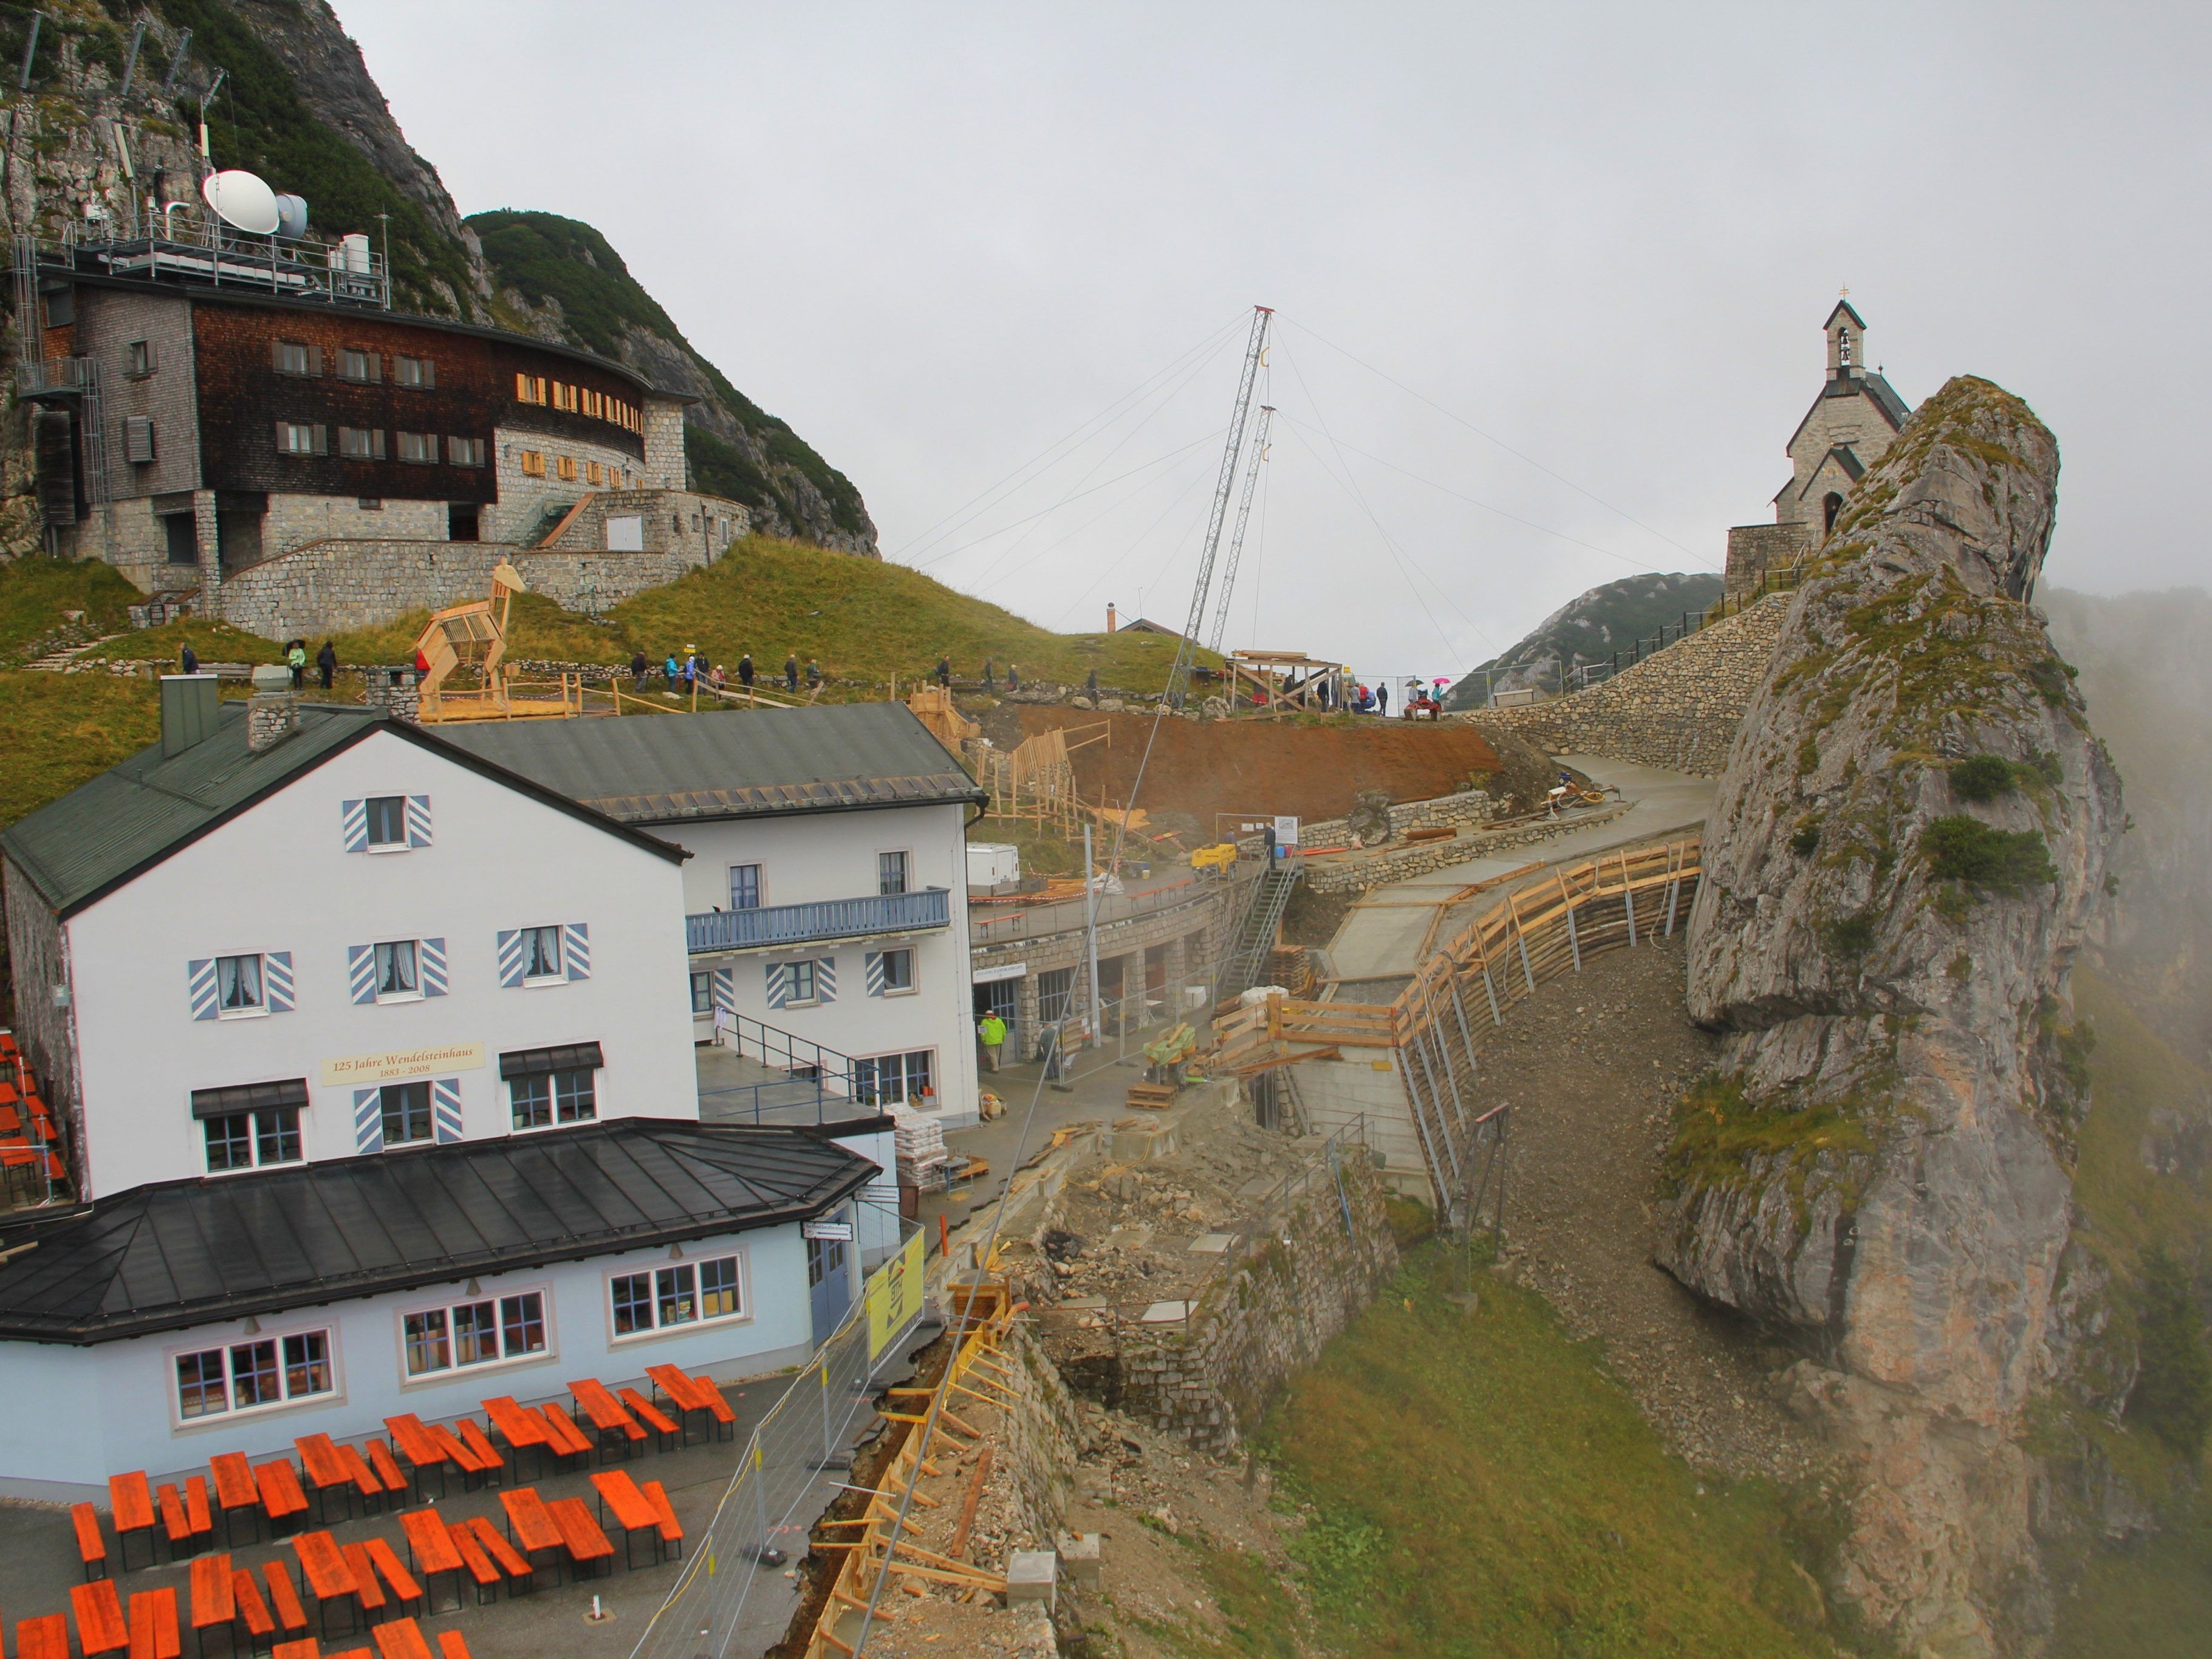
x=1380 y=941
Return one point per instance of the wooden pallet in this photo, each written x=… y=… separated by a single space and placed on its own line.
x=1152 y=1097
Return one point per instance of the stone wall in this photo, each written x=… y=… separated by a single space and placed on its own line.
x=296 y=520
x=668 y=521
x=1470 y=807
x=1362 y=871
x=1755 y=549
x=1678 y=710
x=1270 y=1313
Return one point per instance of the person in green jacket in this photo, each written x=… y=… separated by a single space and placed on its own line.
x=295 y=658
x=991 y=1031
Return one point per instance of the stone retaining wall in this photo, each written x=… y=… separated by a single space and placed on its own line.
x=1470 y=807
x=1678 y=710
x=1362 y=871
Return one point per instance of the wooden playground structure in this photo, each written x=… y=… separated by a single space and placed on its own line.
x=1283 y=681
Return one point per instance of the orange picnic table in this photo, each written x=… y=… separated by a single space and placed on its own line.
x=326 y=1471
x=235 y=1492
x=42 y=1639
x=281 y=1496
x=695 y=1393
x=421 y=1449
x=432 y=1551
x=324 y=1566
x=619 y=1497
x=214 y=1601
x=99 y=1624
x=401 y=1638
x=154 y=1633
x=585 y=1538
x=131 y=1502
x=529 y=1526
x=617 y=1427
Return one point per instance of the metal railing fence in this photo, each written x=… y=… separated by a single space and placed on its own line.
x=797 y=924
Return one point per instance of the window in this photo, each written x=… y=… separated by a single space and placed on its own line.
x=566 y=468
x=1056 y=995
x=248 y=1140
x=541 y=954
x=533 y=462
x=465 y=452
x=293 y=357
x=898 y=972
x=300 y=438
x=238 y=986
x=549 y=1098
x=138 y=359
x=479 y=1333
x=180 y=531
x=825 y=1259
x=421 y=448
x=593 y=472
x=418 y=372
x=387 y=821
x=398 y=976
x=529 y=389
x=361 y=443
x=406 y=1110
x=61 y=307
x=893 y=1078
x=564 y=397
x=745 y=886
x=138 y=438
x=253 y=1376
x=799 y=982
x=702 y=996
x=354 y=365
x=682 y=1294
x=369 y=503
x=890 y=872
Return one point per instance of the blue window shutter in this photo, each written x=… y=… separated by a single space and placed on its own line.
x=368 y=1119
x=361 y=971
x=353 y=816
x=445 y=1108
x=872 y=965
x=419 y=820
x=576 y=941
x=779 y=985
x=826 y=979
x=277 y=981
x=726 y=989
x=199 y=985
x=509 y=942
x=430 y=954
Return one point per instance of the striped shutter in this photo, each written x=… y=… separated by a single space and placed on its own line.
x=419 y=820
x=445 y=1108
x=509 y=941
x=353 y=818
x=779 y=984
x=725 y=990
x=576 y=949
x=361 y=972
x=872 y=970
x=277 y=981
x=826 y=979
x=199 y=985
x=430 y=962
x=368 y=1119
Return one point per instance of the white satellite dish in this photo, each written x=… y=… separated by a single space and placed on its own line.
x=242 y=201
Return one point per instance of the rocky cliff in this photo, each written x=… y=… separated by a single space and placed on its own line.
x=1593 y=627
x=1909 y=842
x=297 y=104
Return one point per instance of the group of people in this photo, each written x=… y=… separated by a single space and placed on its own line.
x=943 y=675
x=295 y=658
x=691 y=670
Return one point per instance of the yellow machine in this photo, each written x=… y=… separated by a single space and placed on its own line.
x=1218 y=859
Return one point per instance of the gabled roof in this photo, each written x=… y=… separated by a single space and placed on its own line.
x=76 y=850
x=183 y=1253
x=1877 y=391
x=737 y=764
x=1844 y=309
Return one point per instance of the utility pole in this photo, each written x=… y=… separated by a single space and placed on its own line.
x=1186 y=657
x=1243 y=516
x=1090 y=938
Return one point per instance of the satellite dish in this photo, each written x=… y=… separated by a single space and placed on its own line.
x=241 y=201
x=292 y=215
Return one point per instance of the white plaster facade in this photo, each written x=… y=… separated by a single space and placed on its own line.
x=278 y=878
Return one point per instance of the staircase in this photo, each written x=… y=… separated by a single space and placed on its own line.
x=1256 y=936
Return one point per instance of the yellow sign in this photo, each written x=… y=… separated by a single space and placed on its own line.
x=404 y=1063
x=894 y=1295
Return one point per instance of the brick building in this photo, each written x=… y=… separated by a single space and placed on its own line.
x=192 y=431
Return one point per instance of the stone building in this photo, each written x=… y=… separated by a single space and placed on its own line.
x=1851 y=422
x=270 y=444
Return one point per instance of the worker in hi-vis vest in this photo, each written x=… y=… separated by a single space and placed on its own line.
x=991 y=1031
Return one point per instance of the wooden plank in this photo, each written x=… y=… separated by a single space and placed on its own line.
x=968 y=1504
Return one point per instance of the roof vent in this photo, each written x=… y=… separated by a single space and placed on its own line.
x=190 y=711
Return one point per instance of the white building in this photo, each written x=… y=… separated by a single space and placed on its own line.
x=826 y=887
x=375 y=1064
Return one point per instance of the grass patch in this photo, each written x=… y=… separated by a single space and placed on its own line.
x=57 y=730
x=1262 y=1621
x=1482 y=1488
x=1723 y=1140
x=1961 y=849
x=36 y=592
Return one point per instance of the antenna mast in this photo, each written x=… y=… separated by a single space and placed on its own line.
x=1186 y=651
x=1243 y=516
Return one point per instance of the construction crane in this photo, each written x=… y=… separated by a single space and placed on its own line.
x=1236 y=538
x=1186 y=650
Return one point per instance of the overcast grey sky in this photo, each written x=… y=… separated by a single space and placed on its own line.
x=939 y=239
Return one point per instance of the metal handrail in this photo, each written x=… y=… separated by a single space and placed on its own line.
x=798 y=924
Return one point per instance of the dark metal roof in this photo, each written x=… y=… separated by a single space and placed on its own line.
x=1844 y=457
x=131 y=817
x=185 y=1253
x=736 y=765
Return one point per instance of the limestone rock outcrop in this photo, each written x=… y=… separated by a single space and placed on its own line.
x=1882 y=1165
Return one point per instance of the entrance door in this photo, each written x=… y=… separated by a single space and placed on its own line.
x=827 y=1292
x=1002 y=997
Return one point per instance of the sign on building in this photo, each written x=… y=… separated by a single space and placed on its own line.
x=894 y=1295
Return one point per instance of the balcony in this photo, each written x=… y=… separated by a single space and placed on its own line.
x=777 y=924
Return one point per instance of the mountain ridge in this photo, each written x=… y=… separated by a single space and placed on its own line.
x=1590 y=628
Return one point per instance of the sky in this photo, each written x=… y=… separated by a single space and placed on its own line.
x=1547 y=281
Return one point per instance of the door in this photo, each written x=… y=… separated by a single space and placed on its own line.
x=827 y=1292
x=1002 y=997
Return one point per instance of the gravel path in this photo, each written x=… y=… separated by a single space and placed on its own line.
x=1592 y=1064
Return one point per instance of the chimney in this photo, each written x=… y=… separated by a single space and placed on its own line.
x=274 y=713
x=1110 y=615
x=188 y=711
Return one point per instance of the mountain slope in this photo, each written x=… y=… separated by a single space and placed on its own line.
x=1589 y=629
x=567 y=283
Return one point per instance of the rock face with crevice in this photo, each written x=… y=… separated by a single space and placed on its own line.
x=1881 y=1164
